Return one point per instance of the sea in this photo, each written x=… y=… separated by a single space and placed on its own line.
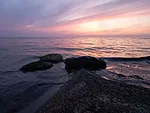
x=20 y=92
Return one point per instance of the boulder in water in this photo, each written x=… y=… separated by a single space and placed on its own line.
x=53 y=58
x=36 y=66
x=85 y=62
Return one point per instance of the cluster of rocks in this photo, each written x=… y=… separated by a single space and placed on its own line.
x=71 y=64
x=44 y=63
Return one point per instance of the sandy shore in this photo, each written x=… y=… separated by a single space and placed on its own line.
x=88 y=93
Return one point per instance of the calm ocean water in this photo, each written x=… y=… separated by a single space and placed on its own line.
x=18 y=90
x=77 y=46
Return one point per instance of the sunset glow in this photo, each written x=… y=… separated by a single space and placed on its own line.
x=90 y=26
x=70 y=17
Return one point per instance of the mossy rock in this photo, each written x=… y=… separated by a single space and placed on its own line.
x=53 y=58
x=36 y=66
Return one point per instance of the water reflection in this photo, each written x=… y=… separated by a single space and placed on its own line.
x=78 y=46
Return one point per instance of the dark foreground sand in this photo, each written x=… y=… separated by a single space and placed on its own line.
x=88 y=93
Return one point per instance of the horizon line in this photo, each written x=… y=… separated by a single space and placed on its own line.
x=127 y=35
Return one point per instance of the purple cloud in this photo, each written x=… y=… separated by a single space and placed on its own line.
x=17 y=14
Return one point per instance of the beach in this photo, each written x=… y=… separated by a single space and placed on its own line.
x=74 y=56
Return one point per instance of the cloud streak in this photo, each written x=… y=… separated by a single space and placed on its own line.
x=48 y=17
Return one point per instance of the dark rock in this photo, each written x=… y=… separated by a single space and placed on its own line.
x=87 y=93
x=85 y=62
x=53 y=58
x=36 y=66
x=121 y=75
x=135 y=77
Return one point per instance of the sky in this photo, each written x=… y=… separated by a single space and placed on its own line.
x=74 y=17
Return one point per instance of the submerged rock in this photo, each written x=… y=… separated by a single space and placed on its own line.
x=53 y=58
x=36 y=66
x=85 y=62
x=135 y=77
x=121 y=75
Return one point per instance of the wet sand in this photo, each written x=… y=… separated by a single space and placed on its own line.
x=87 y=93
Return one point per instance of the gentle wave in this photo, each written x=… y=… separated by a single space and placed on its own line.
x=82 y=49
x=127 y=59
x=22 y=94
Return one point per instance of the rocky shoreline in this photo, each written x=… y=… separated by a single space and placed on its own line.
x=71 y=64
x=87 y=93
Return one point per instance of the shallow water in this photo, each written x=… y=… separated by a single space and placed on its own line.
x=18 y=90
